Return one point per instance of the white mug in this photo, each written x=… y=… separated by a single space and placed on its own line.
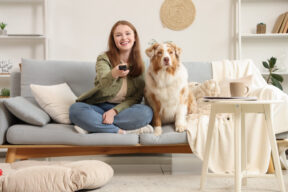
x=238 y=89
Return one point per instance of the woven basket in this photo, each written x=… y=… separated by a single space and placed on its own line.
x=177 y=14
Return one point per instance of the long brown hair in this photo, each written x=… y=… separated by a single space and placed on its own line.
x=135 y=59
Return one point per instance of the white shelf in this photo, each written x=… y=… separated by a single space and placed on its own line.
x=23 y=37
x=260 y=47
x=21 y=1
x=40 y=36
x=266 y=35
x=4 y=74
x=32 y=39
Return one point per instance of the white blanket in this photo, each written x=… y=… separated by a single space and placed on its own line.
x=222 y=151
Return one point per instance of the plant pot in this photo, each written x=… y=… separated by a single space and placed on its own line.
x=3 y=32
x=261 y=28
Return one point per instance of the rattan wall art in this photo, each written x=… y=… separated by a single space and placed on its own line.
x=177 y=14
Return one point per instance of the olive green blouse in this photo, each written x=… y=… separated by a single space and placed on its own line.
x=107 y=87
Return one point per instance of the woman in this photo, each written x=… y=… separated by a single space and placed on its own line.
x=112 y=106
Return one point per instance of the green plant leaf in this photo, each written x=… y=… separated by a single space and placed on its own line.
x=276 y=83
x=272 y=62
x=5 y=92
x=275 y=69
x=265 y=64
x=3 y=25
x=277 y=77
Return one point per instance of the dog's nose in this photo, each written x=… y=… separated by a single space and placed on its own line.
x=166 y=59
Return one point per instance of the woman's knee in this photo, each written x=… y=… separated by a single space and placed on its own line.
x=148 y=112
x=145 y=111
x=76 y=108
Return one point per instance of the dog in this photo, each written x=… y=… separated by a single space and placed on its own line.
x=166 y=87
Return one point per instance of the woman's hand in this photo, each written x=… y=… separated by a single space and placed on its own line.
x=108 y=116
x=116 y=72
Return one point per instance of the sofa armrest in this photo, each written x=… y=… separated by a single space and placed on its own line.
x=6 y=120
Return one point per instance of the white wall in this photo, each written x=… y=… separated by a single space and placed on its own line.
x=79 y=29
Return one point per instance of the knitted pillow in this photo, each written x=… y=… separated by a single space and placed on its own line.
x=199 y=90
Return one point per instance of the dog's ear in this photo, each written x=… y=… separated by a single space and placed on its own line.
x=150 y=52
x=178 y=51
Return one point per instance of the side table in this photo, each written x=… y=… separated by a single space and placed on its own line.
x=239 y=108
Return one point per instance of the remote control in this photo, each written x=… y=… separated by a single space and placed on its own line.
x=123 y=67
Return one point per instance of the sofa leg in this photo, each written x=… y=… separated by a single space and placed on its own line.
x=282 y=147
x=11 y=155
x=283 y=160
x=271 y=169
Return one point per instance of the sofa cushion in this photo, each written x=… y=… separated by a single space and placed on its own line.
x=168 y=136
x=26 y=111
x=55 y=100
x=61 y=134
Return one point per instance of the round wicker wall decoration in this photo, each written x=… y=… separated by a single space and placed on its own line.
x=177 y=14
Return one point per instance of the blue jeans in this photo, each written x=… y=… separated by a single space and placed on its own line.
x=89 y=117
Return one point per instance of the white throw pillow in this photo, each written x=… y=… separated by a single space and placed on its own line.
x=55 y=100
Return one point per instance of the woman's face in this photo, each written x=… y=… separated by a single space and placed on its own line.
x=124 y=38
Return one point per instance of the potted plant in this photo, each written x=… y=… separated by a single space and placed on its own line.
x=3 y=31
x=273 y=78
x=5 y=92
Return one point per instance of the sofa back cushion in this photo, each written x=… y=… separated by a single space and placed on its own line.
x=78 y=75
x=198 y=71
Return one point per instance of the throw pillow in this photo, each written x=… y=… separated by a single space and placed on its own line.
x=27 y=111
x=225 y=84
x=199 y=90
x=58 y=176
x=55 y=100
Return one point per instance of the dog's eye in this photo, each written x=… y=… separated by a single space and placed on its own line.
x=171 y=52
x=159 y=53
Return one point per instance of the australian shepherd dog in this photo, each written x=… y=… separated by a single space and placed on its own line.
x=167 y=90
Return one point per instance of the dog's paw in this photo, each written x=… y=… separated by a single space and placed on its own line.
x=180 y=128
x=157 y=131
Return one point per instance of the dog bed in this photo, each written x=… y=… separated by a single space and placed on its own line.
x=30 y=176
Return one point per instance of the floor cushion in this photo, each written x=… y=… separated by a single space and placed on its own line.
x=30 y=176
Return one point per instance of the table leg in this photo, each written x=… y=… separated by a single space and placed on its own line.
x=237 y=144
x=243 y=148
x=275 y=155
x=208 y=147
